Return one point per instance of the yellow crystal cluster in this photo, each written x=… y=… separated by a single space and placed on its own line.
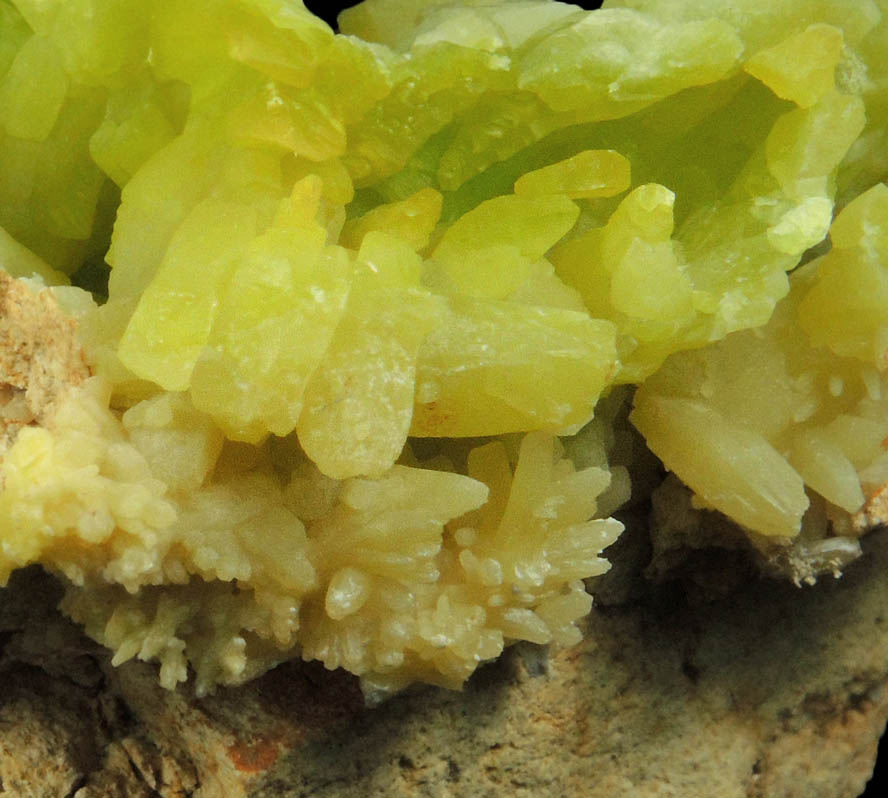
x=366 y=288
x=757 y=421
x=183 y=547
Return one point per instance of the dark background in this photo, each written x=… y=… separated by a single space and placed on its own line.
x=328 y=12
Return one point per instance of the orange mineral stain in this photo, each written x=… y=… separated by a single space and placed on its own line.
x=253 y=757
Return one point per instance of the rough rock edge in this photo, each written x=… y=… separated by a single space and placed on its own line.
x=40 y=357
x=772 y=692
x=683 y=535
x=874 y=513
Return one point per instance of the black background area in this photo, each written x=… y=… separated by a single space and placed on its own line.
x=329 y=11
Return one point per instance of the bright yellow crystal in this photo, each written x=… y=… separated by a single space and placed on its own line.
x=338 y=259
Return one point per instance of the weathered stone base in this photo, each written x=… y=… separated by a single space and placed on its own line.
x=773 y=691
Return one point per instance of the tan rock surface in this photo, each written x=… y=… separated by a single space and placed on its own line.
x=40 y=357
x=772 y=691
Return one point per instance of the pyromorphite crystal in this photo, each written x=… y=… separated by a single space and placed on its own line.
x=845 y=309
x=412 y=220
x=805 y=392
x=359 y=402
x=593 y=173
x=802 y=67
x=362 y=283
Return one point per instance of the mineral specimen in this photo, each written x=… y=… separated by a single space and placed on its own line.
x=355 y=381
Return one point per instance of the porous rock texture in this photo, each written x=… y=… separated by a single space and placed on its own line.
x=771 y=691
x=40 y=358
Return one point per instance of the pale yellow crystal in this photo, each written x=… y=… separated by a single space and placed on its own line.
x=802 y=67
x=592 y=173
